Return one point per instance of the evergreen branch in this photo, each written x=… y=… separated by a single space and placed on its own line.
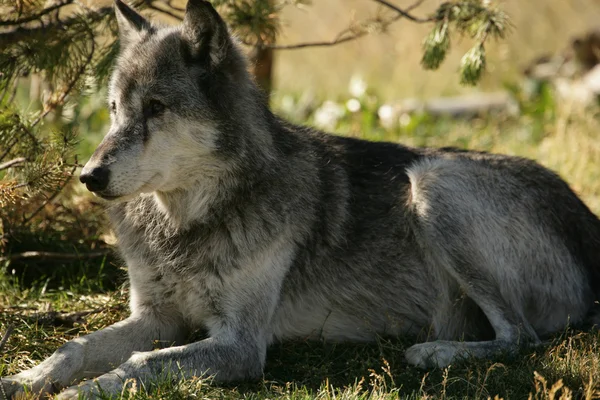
x=21 y=34
x=405 y=13
x=12 y=163
x=174 y=7
x=26 y=220
x=8 y=149
x=151 y=6
x=53 y=104
x=28 y=132
x=37 y=16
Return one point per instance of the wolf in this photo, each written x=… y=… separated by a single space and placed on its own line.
x=235 y=221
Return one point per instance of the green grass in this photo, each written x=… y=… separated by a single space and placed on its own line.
x=42 y=299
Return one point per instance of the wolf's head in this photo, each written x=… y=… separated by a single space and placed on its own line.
x=182 y=106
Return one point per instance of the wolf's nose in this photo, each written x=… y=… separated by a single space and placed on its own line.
x=95 y=179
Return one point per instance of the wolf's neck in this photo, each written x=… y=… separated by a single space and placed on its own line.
x=184 y=207
x=250 y=159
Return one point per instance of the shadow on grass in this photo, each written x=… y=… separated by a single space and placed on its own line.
x=571 y=357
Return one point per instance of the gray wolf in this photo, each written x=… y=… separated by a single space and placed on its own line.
x=257 y=230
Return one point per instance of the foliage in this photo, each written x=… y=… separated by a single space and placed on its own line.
x=473 y=18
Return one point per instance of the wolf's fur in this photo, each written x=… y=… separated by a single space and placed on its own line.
x=233 y=220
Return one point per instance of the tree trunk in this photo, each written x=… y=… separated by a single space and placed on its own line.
x=262 y=68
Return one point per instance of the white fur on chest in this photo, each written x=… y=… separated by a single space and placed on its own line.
x=191 y=298
x=201 y=298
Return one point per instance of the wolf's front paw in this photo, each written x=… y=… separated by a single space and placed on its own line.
x=26 y=383
x=432 y=354
x=104 y=386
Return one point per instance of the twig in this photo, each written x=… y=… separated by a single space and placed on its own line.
x=151 y=6
x=13 y=162
x=404 y=13
x=35 y=16
x=25 y=129
x=8 y=332
x=317 y=44
x=50 y=255
x=49 y=199
x=56 y=318
x=341 y=36
x=73 y=82
x=170 y=4
x=20 y=185
x=415 y=5
x=9 y=148
x=20 y=34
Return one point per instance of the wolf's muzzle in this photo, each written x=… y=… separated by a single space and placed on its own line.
x=95 y=179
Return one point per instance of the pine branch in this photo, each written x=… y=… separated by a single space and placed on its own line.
x=37 y=16
x=28 y=132
x=80 y=72
x=57 y=191
x=172 y=6
x=12 y=163
x=8 y=149
x=21 y=34
x=152 y=6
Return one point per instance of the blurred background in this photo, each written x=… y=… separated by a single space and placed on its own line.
x=390 y=62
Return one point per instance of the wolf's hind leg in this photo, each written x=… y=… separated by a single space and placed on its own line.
x=510 y=329
x=469 y=245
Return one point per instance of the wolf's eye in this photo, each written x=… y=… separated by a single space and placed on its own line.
x=154 y=108
x=113 y=107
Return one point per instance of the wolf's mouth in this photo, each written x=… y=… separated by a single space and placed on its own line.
x=107 y=197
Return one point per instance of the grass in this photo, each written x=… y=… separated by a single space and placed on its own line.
x=44 y=301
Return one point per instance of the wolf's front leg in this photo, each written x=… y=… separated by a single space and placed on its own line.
x=91 y=355
x=227 y=358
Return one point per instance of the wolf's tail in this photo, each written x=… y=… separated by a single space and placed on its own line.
x=592 y=319
x=589 y=254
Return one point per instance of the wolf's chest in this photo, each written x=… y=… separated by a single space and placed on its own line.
x=168 y=269
x=181 y=284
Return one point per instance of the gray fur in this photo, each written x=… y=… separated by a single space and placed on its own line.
x=235 y=221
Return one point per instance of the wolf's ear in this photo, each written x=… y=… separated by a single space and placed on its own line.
x=204 y=32
x=131 y=24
